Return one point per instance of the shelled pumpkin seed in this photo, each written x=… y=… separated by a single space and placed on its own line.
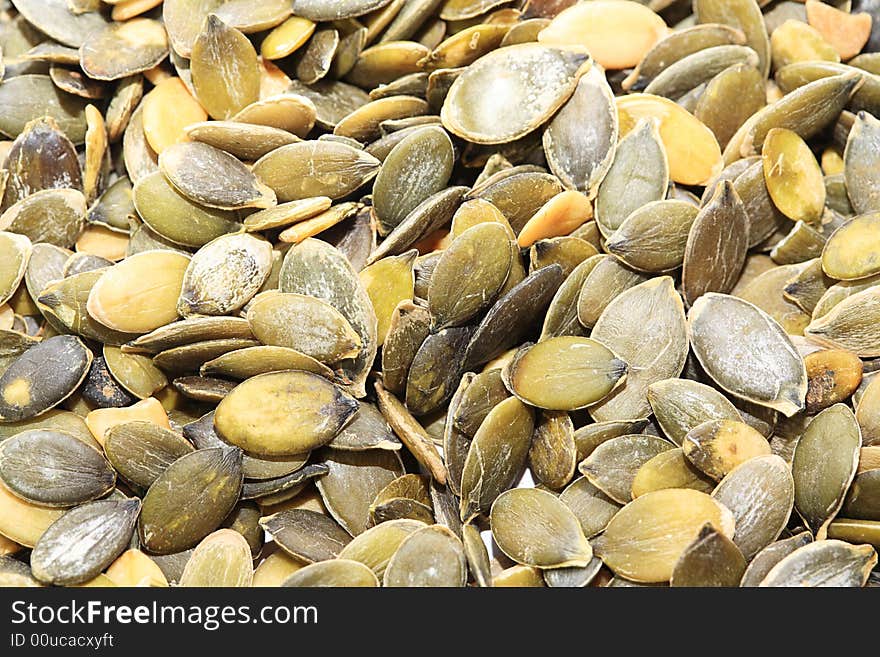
x=634 y=241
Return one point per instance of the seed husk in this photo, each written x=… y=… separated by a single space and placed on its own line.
x=375 y=547
x=432 y=556
x=115 y=299
x=545 y=75
x=625 y=327
x=318 y=269
x=305 y=535
x=214 y=178
x=645 y=539
x=176 y=218
x=87 y=539
x=190 y=499
x=824 y=563
x=283 y=413
x=333 y=573
x=24 y=395
x=741 y=367
x=315 y=168
x=496 y=457
x=640 y=167
x=534 y=528
x=581 y=140
x=141 y=451
x=53 y=468
x=825 y=461
x=565 y=373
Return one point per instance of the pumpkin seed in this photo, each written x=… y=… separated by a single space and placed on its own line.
x=669 y=469
x=336 y=572
x=553 y=454
x=431 y=556
x=849 y=324
x=134 y=46
x=190 y=499
x=221 y=559
x=141 y=451
x=613 y=465
x=833 y=377
x=680 y=405
x=770 y=556
x=389 y=282
x=861 y=501
x=712 y=560
x=306 y=535
x=716 y=447
x=375 y=547
x=646 y=538
x=715 y=323
x=190 y=331
x=653 y=237
x=26 y=98
x=792 y=175
x=823 y=563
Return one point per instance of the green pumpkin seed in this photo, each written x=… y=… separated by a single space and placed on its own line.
x=760 y=494
x=653 y=344
x=320 y=10
x=24 y=395
x=565 y=373
x=712 y=560
x=653 y=237
x=55 y=216
x=698 y=68
x=613 y=465
x=581 y=140
x=761 y=564
x=729 y=99
x=825 y=462
x=389 y=282
x=861 y=501
x=518 y=193
x=409 y=327
x=279 y=489
x=477 y=555
x=534 y=528
x=561 y=318
x=742 y=368
x=190 y=499
x=190 y=331
x=134 y=372
x=847 y=253
x=482 y=394
x=792 y=175
x=850 y=324
x=716 y=447
x=123 y=49
x=176 y=218
x=435 y=369
x=638 y=175
x=141 y=451
x=824 y=563
x=608 y=278
x=645 y=539
x=431 y=556
x=546 y=75
x=680 y=405
x=16 y=251
x=376 y=546
x=28 y=97
x=496 y=457
x=336 y=572
x=306 y=535
x=593 y=509
x=53 y=468
x=221 y=559
x=57 y=19
x=553 y=454
x=860 y=164
x=669 y=469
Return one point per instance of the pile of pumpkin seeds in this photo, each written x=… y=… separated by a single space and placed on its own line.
x=439 y=293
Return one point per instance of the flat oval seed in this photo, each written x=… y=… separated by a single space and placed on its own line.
x=190 y=499
x=318 y=269
x=716 y=447
x=848 y=253
x=543 y=76
x=645 y=327
x=613 y=465
x=639 y=174
x=141 y=451
x=712 y=560
x=315 y=168
x=16 y=251
x=824 y=563
x=419 y=166
x=225 y=70
x=717 y=245
x=565 y=373
x=55 y=216
x=680 y=405
x=825 y=461
x=306 y=535
x=761 y=564
x=78 y=546
x=834 y=375
x=653 y=237
x=224 y=275
x=669 y=469
x=430 y=557
x=287 y=37
x=792 y=175
x=167 y=110
x=29 y=97
x=716 y=324
x=221 y=559
x=22 y=521
x=389 y=282
x=581 y=140
x=553 y=454
x=283 y=413
x=557 y=218
x=861 y=164
x=593 y=509
x=435 y=369
x=123 y=49
x=319 y=10
x=760 y=494
x=534 y=528
x=375 y=547
x=496 y=457
x=307 y=324
x=176 y=218
x=245 y=363
x=645 y=539
x=53 y=468
x=333 y=573
x=851 y=324
x=23 y=392
x=214 y=178
x=117 y=300
x=469 y=275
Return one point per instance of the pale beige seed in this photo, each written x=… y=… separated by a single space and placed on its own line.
x=716 y=447
x=221 y=559
x=792 y=175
